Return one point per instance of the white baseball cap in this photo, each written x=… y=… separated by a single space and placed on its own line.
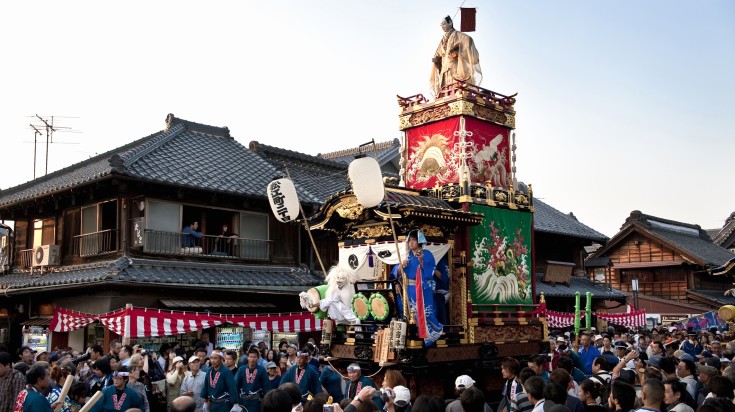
x=463 y=382
x=403 y=396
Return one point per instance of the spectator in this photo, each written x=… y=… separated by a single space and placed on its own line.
x=12 y=382
x=652 y=395
x=520 y=402
x=461 y=384
x=189 y=235
x=31 y=399
x=509 y=367
x=183 y=404
x=193 y=382
x=537 y=363
x=563 y=378
x=622 y=397
x=278 y=400
x=589 y=392
x=534 y=387
x=676 y=397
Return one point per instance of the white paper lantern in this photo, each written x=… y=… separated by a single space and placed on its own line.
x=284 y=200
x=367 y=181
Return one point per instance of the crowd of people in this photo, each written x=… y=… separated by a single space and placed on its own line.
x=658 y=370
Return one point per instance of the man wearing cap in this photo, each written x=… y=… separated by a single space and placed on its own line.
x=706 y=373
x=357 y=382
x=460 y=384
x=119 y=397
x=303 y=375
x=691 y=345
x=251 y=382
x=598 y=341
x=274 y=379
x=219 y=391
x=31 y=398
x=174 y=378
x=194 y=382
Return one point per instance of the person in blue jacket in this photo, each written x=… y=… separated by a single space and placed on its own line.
x=303 y=375
x=251 y=382
x=219 y=391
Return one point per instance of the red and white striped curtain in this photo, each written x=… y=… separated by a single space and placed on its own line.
x=561 y=319
x=142 y=322
x=633 y=319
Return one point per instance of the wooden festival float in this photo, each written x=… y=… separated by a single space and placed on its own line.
x=458 y=187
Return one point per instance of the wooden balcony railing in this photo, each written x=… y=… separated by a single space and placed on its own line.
x=180 y=244
x=95 y=244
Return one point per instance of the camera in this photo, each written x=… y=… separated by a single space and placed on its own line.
x=329 y=407
x=81 y=358
x=386 y=394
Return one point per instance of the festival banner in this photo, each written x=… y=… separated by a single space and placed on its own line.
x=434 y=153
x=500 y=256
x=703 y=321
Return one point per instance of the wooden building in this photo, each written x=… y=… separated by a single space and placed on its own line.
x=671 y=261
x=107 y=231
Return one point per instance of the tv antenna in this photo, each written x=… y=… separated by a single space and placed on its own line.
x=47 y=123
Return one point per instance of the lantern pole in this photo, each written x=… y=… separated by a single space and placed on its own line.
x=308 y=229
x=404 y=280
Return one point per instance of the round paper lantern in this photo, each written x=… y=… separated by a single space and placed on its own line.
x=367 y=181
x=284 y=200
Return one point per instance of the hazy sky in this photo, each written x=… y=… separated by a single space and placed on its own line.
x=621 y=106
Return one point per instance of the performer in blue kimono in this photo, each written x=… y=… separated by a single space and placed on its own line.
x=419 y=268
x=303 y=375
x=31 y=398
x=119 y=396
x=251 y=382
x=357 y=382
x=219 y=391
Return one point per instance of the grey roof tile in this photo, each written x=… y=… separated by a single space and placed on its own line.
x=549 y=220
x=577 y=283
x=715 y=295
x=315 y=178
x=687 y=238
x=172 y=273
x=386 y=151
x=187 y=154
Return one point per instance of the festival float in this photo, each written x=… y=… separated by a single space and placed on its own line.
x=457 y=187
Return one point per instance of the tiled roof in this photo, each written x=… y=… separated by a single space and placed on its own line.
x=386 y=151
x=717 y=296
x=168 y=273
x=579 y=284
x=725 y=237
x=315 y=178
x=690 y=240
x=549 y=220
x=186 y=154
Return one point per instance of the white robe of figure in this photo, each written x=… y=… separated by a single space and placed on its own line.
x=460 y=61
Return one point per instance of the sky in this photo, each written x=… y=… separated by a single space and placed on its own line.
x=621 y=106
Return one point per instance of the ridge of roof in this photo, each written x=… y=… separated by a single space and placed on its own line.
x=657 y=223
x=727 y=229
x=172 y=121
x=120 y=162
x=551 y=220
x=268 y=150
x=360 y=149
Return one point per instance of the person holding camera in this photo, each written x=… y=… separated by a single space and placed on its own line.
x=174 y=378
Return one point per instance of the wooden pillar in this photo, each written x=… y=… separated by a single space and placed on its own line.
x=126 y=338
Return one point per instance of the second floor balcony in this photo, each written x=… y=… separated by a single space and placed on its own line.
x=94 y=244
x=180 y=244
